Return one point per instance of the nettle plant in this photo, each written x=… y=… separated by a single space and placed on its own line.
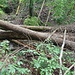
x=47 y=62
x=9 y=63
x=46 y=65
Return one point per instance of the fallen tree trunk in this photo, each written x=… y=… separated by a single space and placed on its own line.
x=8 y=35
x=56 y=38
x=35 y=28
x=69 y=28
x=68 y=44
x=26 y=33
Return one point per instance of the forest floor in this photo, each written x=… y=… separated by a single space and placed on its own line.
x=15 y=44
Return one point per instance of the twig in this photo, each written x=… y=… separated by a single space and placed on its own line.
x=51 y=35
x=24 y=45
x=61 y=53
x=69 y=68
x=41 y=8
x=18 y=7
x=47 y=18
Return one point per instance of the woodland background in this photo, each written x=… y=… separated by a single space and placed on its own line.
x=37 y=37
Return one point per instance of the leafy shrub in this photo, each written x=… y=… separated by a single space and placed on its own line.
x=4 y=47
x=32 y=21
x=10 y=65
x=48 y=65
x=63 y=10
x=45 y=65
x=3 y=3
x=1 y=12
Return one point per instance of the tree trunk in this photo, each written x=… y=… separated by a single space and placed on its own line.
x=31 y=8
x=24 y=31
x=69 y=28
x=18 y=32
x=56 y=38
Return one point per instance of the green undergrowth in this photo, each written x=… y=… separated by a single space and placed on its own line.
x=63 y=11
x=33 y=21
x=10 y=64
x=1 y=12
x=44 y=60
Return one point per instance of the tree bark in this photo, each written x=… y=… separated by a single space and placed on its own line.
x=69 y=28
x=56 y=38
x=24 y=33
x=8 y=35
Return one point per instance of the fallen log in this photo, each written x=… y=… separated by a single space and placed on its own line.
x=35 y=28
x=8 y=35
x=24 y=31
x=68 y=44
x=69 y=28
x=56 y=38
x=34 y=34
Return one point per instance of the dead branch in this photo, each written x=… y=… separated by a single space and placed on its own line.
x=61 y=53
x=69 y=68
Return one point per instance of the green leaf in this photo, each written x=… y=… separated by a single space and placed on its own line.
x=36 y=63
x=11 y=69
x=19 y=63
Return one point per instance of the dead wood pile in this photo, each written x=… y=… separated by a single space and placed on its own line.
x=41 y=33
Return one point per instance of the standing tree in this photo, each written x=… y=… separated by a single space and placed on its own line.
x=31 y=8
